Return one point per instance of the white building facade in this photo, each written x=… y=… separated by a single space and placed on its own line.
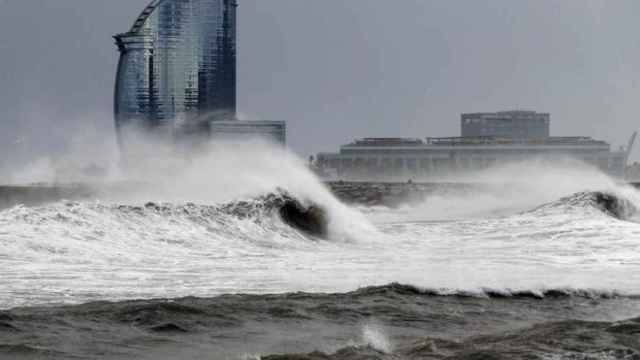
x=403 y=159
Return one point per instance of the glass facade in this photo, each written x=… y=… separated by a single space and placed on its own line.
x=177 y=67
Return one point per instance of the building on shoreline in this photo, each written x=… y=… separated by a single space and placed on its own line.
x=403 y=159
x=272 y=131
x=177 y=72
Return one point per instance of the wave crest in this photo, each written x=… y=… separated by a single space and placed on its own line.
x=605 y=202
x=397 y=289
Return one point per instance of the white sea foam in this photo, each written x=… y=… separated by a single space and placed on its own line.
x=374 y=335
x=75 y=252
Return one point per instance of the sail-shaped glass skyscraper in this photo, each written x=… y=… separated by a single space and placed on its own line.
x=177 y=66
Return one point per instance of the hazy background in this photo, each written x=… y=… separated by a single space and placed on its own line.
x=338 y=69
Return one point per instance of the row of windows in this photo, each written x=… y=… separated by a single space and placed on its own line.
x=400 y=163
x=182 y=59
x=473 y=152
x=505 y=121
x=371 y=167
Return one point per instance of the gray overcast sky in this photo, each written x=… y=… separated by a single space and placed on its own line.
x=340 y=69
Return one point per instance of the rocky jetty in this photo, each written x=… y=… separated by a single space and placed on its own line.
x=391 y=194
x=33 y=195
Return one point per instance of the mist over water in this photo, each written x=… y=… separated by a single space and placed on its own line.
x=193 y=248
x=183 y=253
x=507 y=190
x=186 y=242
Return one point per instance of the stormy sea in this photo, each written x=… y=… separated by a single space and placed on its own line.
x=531 y=264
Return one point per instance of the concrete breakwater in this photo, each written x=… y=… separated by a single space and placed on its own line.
x=392 y=194
x=357 y=193
x=39 y=194
x=33 y=195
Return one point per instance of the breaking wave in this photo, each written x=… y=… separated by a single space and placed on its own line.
x=82 y=251
x=487 y=293
x=241 y=274
x=254 y=220
x=227 y=264
x=608 y=203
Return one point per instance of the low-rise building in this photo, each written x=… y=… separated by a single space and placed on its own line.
x=241 y=130
x=524 y=137
x=402 y=159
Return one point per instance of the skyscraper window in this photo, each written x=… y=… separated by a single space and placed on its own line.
x=177 y=67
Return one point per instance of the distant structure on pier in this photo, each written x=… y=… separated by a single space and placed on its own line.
x=177 y=70
x=272 y=131
x=488 y=139
x=516 y=124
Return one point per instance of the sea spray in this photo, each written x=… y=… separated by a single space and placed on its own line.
x=223 y=172
x=173 y=238
x=374 y=335
x=506 y=190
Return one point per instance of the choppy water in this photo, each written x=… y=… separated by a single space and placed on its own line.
x=475 y=263
x=72 y=252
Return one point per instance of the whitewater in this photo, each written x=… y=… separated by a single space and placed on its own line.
x=187 y=237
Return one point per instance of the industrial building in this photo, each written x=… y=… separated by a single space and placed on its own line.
x=432 y=158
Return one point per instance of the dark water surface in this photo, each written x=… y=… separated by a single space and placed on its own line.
x=76 y=252
x=389 y=322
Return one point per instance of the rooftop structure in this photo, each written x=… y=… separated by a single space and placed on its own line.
x=517 y=124
x=477 y=140
x=386 y=142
